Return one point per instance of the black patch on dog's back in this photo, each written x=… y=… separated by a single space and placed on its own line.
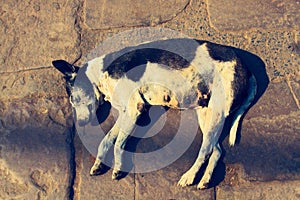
x=139 y=58
x=220 y=52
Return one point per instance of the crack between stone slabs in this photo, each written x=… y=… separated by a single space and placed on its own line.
x=272 y=119
x=144 y=25
x=172 y=17
x=79 y=166
x=292 y=92
x=53 y=121
x=179 y=12
x=26 y=70
x=72 y=162
x=78 y=28
x=215 y=193
x=134 y=180
x=15 y=41
x=210 y=24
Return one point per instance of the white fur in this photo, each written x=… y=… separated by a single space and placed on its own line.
x=226 y=74
x=94 y=69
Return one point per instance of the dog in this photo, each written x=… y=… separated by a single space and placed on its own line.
x=176 y=73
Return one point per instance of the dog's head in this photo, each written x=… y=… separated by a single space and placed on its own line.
x=81 y=91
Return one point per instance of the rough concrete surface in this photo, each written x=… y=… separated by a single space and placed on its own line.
x=34 y=164
x=96 y=187
x=102 y=14
x=243 y=15
x=40 y=158
x=37 y=32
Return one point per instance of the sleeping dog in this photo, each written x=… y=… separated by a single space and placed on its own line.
x=177 y=73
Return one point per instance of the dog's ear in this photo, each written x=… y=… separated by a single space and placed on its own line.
x=66 y=68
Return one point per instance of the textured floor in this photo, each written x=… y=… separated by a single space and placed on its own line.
x=42 y=158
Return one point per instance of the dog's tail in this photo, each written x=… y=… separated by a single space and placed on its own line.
x=239 y=113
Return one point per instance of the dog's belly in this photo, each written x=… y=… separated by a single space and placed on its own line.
x=156 y=94
x=180 y=89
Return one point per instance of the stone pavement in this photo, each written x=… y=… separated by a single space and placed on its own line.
x=42 y=158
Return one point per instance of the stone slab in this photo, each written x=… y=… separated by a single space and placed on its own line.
x=34 y=164
x=48 y=81
x=235 y=187
x=33 y=33
x=277 y=49
x=288 y=190
x=34 y=98
x=270 y=138
x=162 y=183
x=99 y=187
x=103 y=14
x=269 y=148
x=229 y=15
x=276 y=101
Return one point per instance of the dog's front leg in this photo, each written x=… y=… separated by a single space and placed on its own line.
x=127 y=123
x=116 y=136
x=107 y=142
x=128 y=116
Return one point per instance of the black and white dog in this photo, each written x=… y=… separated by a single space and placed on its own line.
x=177 y=73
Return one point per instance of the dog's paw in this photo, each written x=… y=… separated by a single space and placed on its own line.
x=204 y=183
x=186 y=179
x=98 y=168
x=117 y=175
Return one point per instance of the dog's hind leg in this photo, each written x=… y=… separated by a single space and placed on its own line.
x=215 y=156
x=211 y=121
x=239 y=113
x=213 y=160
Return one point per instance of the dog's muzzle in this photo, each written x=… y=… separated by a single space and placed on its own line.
x=82 y=123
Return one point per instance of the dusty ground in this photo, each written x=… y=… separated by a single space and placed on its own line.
x=42 y=158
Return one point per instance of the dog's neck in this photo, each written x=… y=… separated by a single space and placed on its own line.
x=94 y=70
x=100 y=78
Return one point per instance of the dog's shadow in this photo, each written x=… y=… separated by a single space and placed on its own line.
x=144 y=123
x=255 y=65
